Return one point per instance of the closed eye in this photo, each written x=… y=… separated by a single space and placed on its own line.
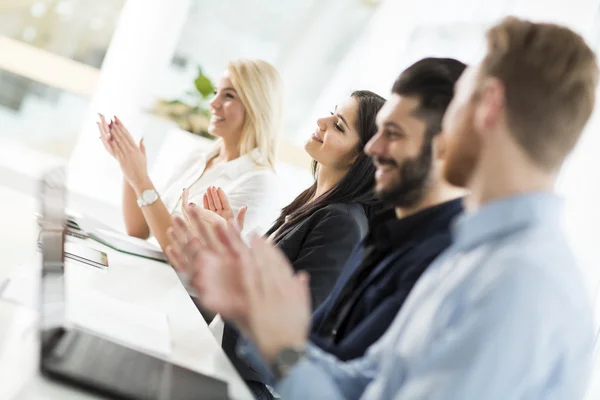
x=226 y=93
x=338 y=126
x=393 y=134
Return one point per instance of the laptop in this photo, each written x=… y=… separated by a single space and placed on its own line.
x=87 y=361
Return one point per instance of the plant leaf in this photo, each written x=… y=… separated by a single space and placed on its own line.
x=203 y=84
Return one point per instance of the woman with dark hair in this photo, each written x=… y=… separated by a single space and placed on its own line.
x=320 y=228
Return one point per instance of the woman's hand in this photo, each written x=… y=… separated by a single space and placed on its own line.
x=216 y=201
x=132 y=158
x=105 y=135
x=201 y=215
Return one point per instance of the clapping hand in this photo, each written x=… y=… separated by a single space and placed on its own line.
x=200 y=251
x=201 y=215
x=279 y=300
x=253 y=286
x=119 y=143
x=216 y=201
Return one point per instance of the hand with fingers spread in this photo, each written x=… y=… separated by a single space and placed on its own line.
x=216 y=201
x=132 y=158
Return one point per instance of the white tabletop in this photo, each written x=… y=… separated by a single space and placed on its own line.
x=131 y=279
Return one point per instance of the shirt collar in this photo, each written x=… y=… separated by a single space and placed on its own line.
x=504 y=216
x=386 y=230
x=234 y=168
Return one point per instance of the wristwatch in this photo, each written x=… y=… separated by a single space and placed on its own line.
x=286 y=359
x=148 y=197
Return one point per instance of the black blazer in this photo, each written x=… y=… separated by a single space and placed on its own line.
x=319 y=244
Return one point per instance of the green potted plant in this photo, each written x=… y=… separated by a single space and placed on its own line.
x=191 y=114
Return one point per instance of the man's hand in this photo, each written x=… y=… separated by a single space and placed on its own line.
x=183 y=249
x=279 y=301
x=203 y=252
x=253 y=286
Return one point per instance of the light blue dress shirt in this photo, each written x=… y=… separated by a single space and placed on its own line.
x=503 y=314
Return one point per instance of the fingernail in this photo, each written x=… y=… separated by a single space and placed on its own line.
x=192 y=204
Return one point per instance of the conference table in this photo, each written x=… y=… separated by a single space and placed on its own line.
x=132 y=282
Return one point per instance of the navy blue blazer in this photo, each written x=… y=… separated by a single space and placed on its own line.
x=387 y=284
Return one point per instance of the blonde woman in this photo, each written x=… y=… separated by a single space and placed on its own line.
x=246 y=115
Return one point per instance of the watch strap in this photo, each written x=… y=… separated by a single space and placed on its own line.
x=286 y=359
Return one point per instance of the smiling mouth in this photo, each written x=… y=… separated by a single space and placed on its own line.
x=316 y=137
x=217 y=119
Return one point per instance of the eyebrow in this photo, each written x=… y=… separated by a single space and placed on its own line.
x=226 y=88
x=391 y=124
x=343 y=119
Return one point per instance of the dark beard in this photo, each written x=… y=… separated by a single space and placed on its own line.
x=413 y=182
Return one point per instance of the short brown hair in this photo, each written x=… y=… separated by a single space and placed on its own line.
x=550 y=76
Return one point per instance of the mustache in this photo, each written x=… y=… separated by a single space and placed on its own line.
x=385 y=161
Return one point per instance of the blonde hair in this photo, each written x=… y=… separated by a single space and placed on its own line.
x=550 y=76
x=260 y=89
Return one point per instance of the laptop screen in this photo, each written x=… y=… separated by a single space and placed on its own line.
x=52 y=222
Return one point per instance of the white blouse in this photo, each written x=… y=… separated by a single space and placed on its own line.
x=244 y=181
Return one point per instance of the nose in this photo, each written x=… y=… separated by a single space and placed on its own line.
x=322 y=124
x=376 y=145
x=215 y=102
x=326 y=122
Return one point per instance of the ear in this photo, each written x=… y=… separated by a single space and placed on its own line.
x=489 y=107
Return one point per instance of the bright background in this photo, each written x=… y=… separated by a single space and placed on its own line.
x=61 y=61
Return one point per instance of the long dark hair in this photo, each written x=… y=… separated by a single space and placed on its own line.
x=358 y=183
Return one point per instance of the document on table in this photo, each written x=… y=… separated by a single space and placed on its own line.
x=88 y=308
x=129 y=324
x=23 y=286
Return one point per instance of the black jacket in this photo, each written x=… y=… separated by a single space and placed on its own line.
x=319 y=244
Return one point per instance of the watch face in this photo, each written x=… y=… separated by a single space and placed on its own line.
x=290 y=356
x=286 y=359
x=149 y=196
